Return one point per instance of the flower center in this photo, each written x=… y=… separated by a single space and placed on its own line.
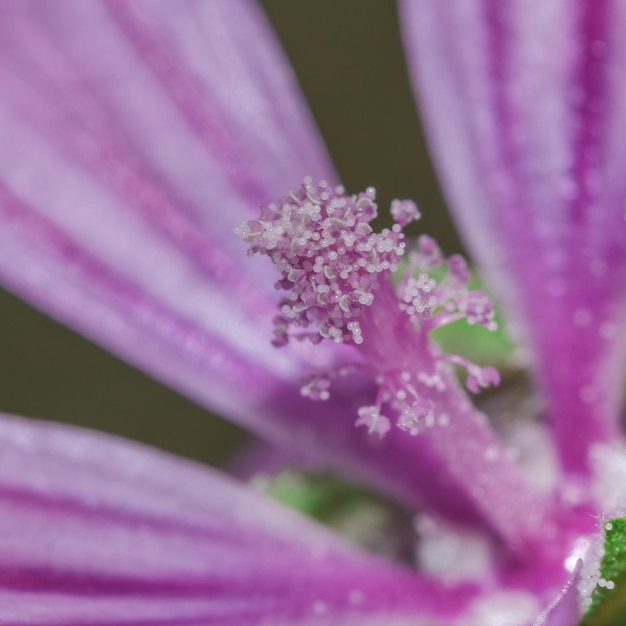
x=336 y=275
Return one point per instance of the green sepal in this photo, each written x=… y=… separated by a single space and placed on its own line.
x=608 y=601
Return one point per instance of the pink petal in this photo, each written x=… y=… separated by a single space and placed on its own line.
x=525 y=109
x=135 y=136
x=95 y=530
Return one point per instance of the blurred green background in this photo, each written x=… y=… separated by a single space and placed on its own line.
x=349 y=59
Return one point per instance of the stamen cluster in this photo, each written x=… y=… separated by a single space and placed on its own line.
x=321 y=242
x=336 y=272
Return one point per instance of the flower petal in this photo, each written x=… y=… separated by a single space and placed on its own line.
x=525 y=108
x=94 y=530
x=139 y=135
x=135 y=136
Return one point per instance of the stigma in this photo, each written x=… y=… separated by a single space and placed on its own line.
x=336 y=276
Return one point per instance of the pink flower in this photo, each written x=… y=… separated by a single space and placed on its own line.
x=136 y=134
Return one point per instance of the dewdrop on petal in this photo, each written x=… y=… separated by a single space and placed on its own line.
x=336 y=280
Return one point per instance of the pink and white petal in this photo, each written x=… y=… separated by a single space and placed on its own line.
x=95 y=530
x=135 y=135
x=525 y=110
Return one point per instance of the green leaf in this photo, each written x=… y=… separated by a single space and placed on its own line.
x=608 y=601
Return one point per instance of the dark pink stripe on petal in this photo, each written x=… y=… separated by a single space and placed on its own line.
x=133 y=534
x=526 y=115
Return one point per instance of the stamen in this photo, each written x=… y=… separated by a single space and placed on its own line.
x=404 y=212
x=336 y=273
x=317 y=388
x=330 y=259
x=477 y=377
x=370 y=417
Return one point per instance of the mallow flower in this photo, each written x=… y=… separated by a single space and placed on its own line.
x=135 y=136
